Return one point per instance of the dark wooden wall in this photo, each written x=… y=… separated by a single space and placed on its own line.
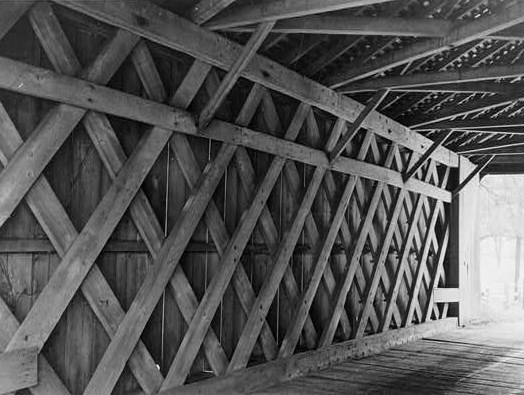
x=78 y=177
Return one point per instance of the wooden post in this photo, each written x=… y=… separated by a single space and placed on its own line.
x=517 y=266
x=461 y=252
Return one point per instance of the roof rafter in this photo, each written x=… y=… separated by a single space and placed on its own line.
x=349 y=25
x=272 y=10
x=474 y=124
x=459 y=35
x=437 y=78
x=207 y=9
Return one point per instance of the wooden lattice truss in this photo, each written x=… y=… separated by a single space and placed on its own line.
x=377 y=206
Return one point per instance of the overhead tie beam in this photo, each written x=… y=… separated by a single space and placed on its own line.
x=273 y=10
x=438 y=142
x=355 y=126
x=459 y=35
x=473 y=173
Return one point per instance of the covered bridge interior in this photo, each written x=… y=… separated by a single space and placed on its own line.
x=218 y=196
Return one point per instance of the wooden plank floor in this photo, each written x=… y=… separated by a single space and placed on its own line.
x=486 y=359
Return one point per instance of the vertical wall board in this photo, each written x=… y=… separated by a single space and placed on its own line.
x=463 y=260
x=54 y=349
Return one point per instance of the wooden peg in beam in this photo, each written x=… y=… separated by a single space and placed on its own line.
x=355 y=126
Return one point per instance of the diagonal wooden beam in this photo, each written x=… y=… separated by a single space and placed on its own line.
x=459 y=35
x=266 y=223
x=355 y=126
x=331 y=194
x=105 y=140
x=273 y=10
x=29 y=161
x=60 y=230
x=129 y=331
x=435 y=275
x=472 y=175
x=268 y=291
x=207 y=9
x=270 y=287
x=416 y=212
x=416 y=285
x=18 y=370
x=354 y=261
x=358 y=25
x=294 y=182
x=99 y=98
x=219 y=233
x=11 y=12
x=379 y=265
x=249 y=50
x=77 y=261
x=168 y=29
x=423 y=226
x=193 y=338
x=425 y=157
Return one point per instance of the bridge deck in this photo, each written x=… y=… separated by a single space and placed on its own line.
x=478 y=360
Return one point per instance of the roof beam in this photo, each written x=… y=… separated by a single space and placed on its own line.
x=167 y=29
x=207 y=9
x=470 y=107
x=476 y=124
x=273 y=10
x=425 y=80
x=498 y=147
x=459 y=35
x=348 y=25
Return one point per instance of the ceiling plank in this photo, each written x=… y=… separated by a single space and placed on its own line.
x=347 y=25
x=272 y=10
x=461 y=34
x=207 y=9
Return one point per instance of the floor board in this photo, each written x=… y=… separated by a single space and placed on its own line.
x=487 y=359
